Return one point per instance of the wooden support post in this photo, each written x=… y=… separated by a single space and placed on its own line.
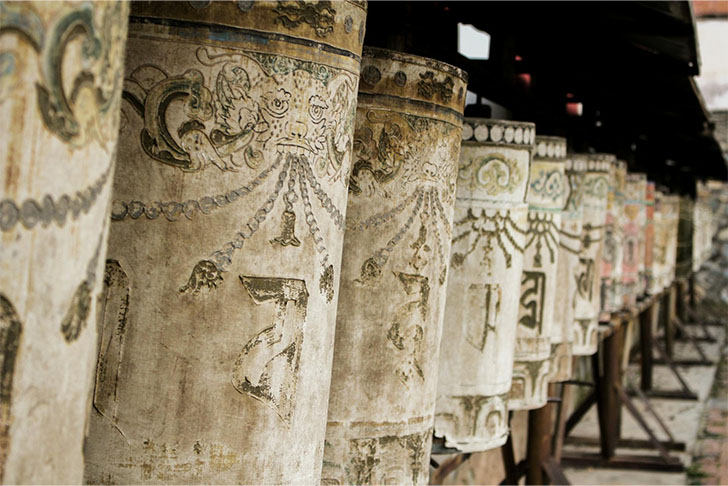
x=561 y=417
x=682 y=307
x=607 y=400
x=691 y=290
x=646 y=344
x=666 y=322
x=509 y=461
x=539 y=441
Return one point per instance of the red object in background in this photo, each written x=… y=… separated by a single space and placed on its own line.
x=574 y=108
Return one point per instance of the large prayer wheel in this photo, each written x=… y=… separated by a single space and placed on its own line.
x=486 y=259
x=60 y=89
x=661 y=222
x=634 y=222
x=567 y=275
x=218 y=325
x=587 y=305
x=545 y=198
x=612 y=250
x=394 y=272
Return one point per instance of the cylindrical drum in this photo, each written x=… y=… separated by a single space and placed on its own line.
x=60 y=89
x=394 y=271
x=649 y=236
x=545 y=198
x=684 y=257
x=612 y=250
x=671 y=213
x=660 y=223
x=486 y=259
x=634 y=219
x=587 y=306
x=659 y=246
x=567 y=273
x=228 y=225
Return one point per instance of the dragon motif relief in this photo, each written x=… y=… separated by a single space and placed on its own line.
x=84 y=109
x=408 y=158
x=320 y=15
x=264 y=112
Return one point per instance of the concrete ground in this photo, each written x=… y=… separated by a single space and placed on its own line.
x=682 y=417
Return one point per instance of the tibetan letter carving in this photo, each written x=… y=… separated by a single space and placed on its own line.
x=267 y=368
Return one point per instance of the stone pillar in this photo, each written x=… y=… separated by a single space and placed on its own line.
x=649 y=237
x=219 y=316
x=60 y=89
x=586 y=309
x=476 y=358
x=634 y=218
x=567 y=273
x=394 y=272
x=612 y=250
x=545 y=198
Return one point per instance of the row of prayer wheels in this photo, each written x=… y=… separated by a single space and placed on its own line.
x=311 y=264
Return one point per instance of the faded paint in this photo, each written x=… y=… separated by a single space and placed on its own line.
x=394 y=270
x=228 y=223
x=60 y=90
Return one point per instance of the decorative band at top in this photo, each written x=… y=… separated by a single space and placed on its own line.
x=575 y=164
x=621 y=165
x=340 y=25
x=548 y=147
x=400 y=75
x=499 y=132
x=597 y=162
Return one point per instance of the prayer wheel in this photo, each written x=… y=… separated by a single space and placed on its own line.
x=649 y=236
x=587 y=306
x=545 y=198
x=671 y=216
x=394 y=270
x=224 y=250
x=486 y=260
x=634 y=222
x=570 y=235
x=60 y=89
x=684 y=257
x=660 y=242
x=612 y=251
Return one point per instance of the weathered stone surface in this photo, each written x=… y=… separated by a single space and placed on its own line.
x=227 y=231
x=586 y=310
x=394 y=270
x=567 y=273
x=486 y=259
x=613 y=249
x=60 y=89
x=545 y=198
x=634 y=222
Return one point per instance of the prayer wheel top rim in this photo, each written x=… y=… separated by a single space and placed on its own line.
x=333 y=29
x=494 y=132
x=550 y=148
x=416 y=84
x=597 y=162
x=426 y=62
